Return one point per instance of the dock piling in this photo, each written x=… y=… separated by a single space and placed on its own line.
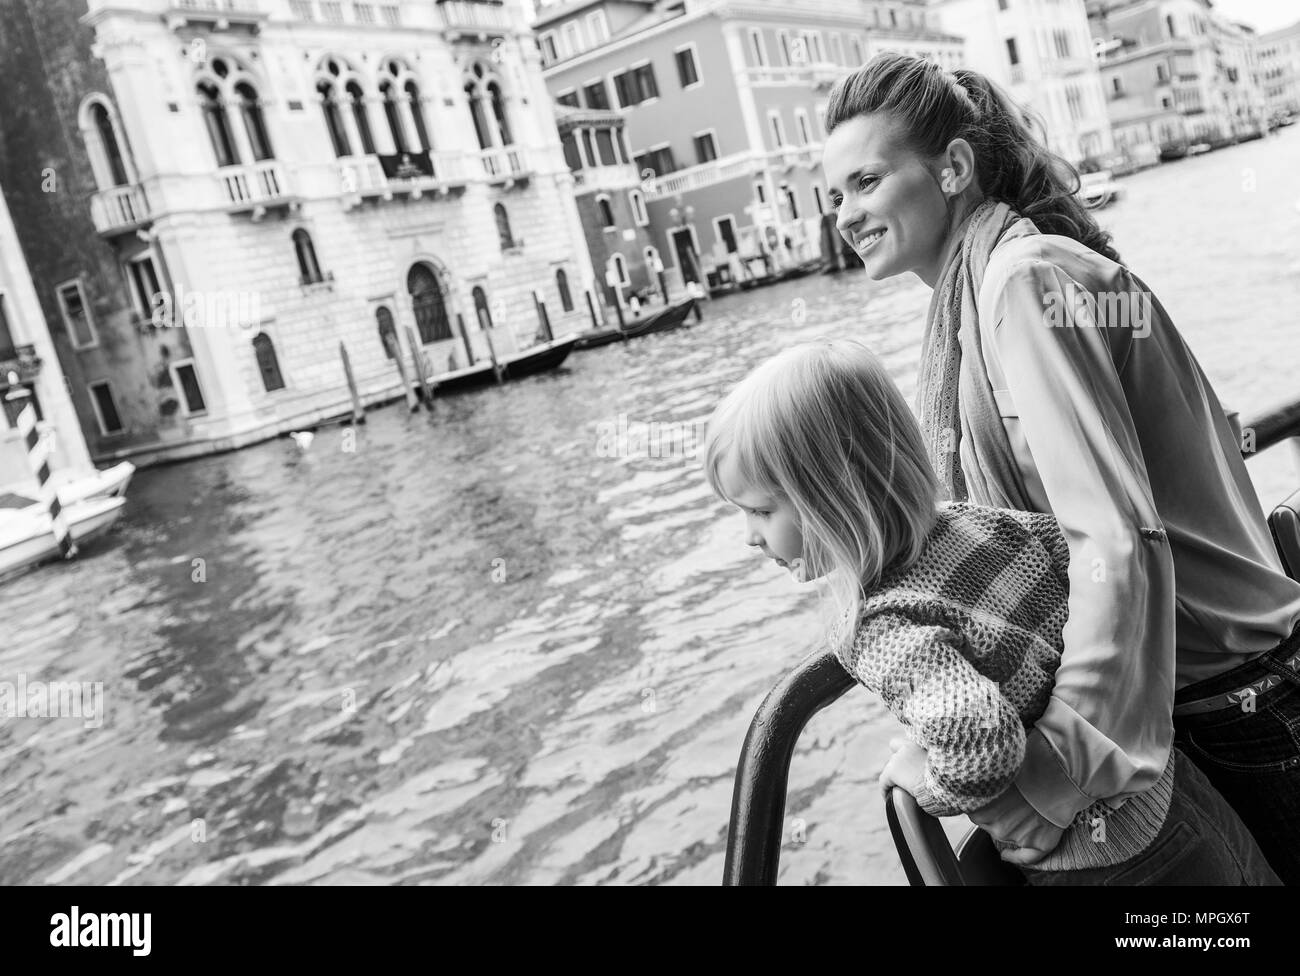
x=492 y=350
x=596 y=323
x=358 y=414
x=418 y=364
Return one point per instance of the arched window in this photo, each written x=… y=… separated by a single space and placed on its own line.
x=637 y=199
x=108 y=140
x=606 y=211
x=308 y=269
x=620 y=268
x=477 y=114
x=387 y=331
x=427 y=302
x=499 y=113
x=267 y=363
x=358 y=102
x=393 y=112
x=334 y=119
x=417 y=113
x=218 y=124
x=503 y=227
x=251 y=109
x=562 y=285
x=481 y=308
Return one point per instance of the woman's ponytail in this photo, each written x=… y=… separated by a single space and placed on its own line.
x=1014 y=166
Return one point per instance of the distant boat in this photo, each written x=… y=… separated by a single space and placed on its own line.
x=664 y=320
x=27 y=535
x=1098 y=189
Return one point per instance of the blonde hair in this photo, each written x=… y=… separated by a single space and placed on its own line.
x=824 y=426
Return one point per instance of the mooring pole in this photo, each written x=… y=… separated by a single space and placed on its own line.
x=421 y=373
x=358 y=414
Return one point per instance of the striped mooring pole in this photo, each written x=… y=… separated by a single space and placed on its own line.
x=38 y=456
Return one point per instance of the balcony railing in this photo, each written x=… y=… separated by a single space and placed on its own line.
x=777 y=76
x=254 y=187
x=120 y=209
x=473 y=16
x=505 y=164
x=221 y=13
x=824 y=74
x=364 y=176
x=788 y=157
x=706 y=174
x=622 y=176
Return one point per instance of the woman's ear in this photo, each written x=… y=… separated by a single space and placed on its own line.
x=961 y=162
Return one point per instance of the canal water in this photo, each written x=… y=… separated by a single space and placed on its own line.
x=478 y=648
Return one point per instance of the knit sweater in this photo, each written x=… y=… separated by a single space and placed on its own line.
x=963 y=646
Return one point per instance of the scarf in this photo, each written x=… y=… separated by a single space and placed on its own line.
x=954 y=399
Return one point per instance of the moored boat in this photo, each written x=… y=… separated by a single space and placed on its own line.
x=27 y=534
x=662 y=321
x=535 y=359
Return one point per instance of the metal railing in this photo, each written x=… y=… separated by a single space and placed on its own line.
x=758 y=798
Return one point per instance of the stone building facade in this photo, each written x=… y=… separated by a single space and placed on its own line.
x=246 y=184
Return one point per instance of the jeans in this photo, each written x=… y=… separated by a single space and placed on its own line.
x=1252 y=754
x=1202 y=842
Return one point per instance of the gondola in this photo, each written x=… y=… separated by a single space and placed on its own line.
x=663 y=320
x=534 y=359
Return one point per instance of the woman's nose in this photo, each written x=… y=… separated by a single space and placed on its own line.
x=848 y=218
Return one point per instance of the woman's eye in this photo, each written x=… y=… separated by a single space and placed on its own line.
x=836 y=201
x=872 y=180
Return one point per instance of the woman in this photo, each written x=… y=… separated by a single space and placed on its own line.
x=1052 y=380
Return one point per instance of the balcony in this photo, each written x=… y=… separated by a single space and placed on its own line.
x=254 y=188
x=825 y=74
x=505 y=165
x=24 y=363
x=622 y=176
x=364 y=176
x=706 y=174
x=474 y=18
x=119 y=210
x=777 y=76
x=788 y=157
x=216 y=14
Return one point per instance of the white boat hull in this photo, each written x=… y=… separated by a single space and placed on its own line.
x=27 y=536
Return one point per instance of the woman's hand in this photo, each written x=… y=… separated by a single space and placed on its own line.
x=906 y=767
x=1019 y=831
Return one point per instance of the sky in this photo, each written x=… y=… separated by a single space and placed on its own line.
x=1263 y=15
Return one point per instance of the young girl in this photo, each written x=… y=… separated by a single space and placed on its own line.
x=951 y=613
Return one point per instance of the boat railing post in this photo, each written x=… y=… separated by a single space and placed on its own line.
x=421 y=370
x=358 y=414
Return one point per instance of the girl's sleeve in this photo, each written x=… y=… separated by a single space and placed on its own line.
x=1107 y=730
x=973 y=735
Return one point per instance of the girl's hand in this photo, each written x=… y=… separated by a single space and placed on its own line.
x=906 y=767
